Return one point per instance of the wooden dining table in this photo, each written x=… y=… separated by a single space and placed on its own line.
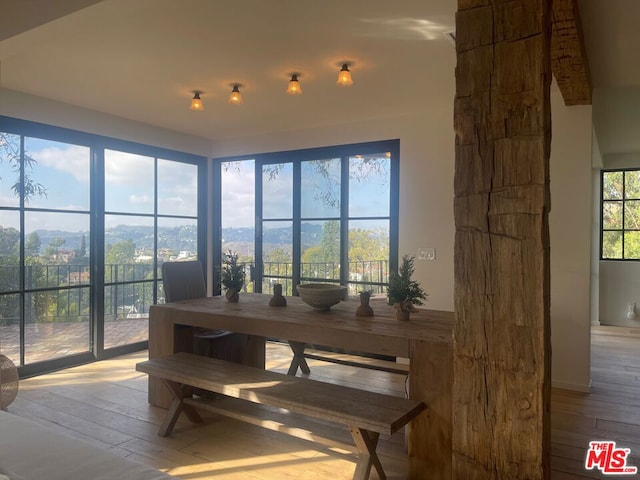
x=426 y=340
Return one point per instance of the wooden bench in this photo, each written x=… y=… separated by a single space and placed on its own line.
x=367 y=414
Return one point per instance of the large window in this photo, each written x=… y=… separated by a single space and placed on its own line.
x=151 y=216
x=45 y=297
x=620 y=215
x=318 y=215
x=85 y=224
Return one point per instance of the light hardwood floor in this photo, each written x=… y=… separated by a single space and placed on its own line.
x=105 y=404
x=611 y=411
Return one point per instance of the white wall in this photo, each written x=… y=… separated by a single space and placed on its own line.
x=619 y=281
x=619 y=288
x=595 y=248
x=426 y=182
x=37 y=109
x=596 y=164
x=622 y=160
x=570 y=225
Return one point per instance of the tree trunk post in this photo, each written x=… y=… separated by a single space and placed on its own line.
x=502 y=118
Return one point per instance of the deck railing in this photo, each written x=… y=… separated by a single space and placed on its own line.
x=61 y=292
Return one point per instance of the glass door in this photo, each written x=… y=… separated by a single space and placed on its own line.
x=45 y=233
x=151 y=216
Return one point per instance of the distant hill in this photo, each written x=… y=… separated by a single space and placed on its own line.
x=311 y=234
x=180 y=238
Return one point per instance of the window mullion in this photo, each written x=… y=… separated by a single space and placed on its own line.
x=97 y=249
x=23 y=296
x=601 y=214
x=624 y=208
x=216 y=216
x=297 y=227
x=155 y=230
x=344 y=220
x=258 y=227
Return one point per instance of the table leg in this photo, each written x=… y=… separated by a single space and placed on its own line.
x=166 y=338
x=162 y=339
x=254 y=353
x=430 y=433
x=298 y=359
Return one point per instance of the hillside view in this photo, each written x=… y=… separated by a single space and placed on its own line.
x=50 y=243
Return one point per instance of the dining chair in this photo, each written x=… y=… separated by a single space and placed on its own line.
x=185 y=281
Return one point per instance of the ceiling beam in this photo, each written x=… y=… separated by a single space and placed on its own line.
x=569 y=61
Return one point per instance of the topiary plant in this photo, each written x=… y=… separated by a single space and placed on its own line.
x=232 y=275
x=403 y=292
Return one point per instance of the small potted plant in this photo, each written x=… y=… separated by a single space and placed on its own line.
x=232 y=276
x=403 y=293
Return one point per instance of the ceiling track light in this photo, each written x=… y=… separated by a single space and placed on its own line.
x=294 y=87
x=344 y=76
x=235 y=98
x=196 y=102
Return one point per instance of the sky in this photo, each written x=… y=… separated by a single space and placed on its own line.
x=369 y=197
x=64 y=171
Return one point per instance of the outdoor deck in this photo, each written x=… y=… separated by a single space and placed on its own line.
x=46 y=341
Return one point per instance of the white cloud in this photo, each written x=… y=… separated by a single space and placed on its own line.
x=127 y=169
x=72 y=159
x=140 y=199
x=238 y=185
x=9 y=201
x=177 y=188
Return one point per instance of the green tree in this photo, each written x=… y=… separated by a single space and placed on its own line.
x=81 y=257
x=82 y=251
x=9 y=267
x=54 y=247
x=9 y=242
x=23 y=184
x=10 y=152
x=32 y=245
x=323 y=260
x=368 y=244
x=121 y=253
x=277 y=255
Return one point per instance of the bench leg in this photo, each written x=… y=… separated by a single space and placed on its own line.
x=366 y=441
x=178 y=392
x=298 y=359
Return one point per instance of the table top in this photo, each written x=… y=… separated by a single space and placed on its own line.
x=338 y=327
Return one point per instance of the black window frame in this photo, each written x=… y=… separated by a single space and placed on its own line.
x=296 y=157
x=623 y=200
x=97 y=145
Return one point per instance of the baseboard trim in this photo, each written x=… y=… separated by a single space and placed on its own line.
x=574 y=387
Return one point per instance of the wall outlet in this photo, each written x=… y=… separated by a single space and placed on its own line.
x=426 y=253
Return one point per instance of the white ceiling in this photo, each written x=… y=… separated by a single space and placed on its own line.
x=142 y=59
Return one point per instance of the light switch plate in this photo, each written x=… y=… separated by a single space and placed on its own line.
x=426 y=253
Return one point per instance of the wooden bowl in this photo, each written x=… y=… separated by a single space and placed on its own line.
x=321 y=296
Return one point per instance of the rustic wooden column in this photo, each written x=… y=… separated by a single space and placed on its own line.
x=501 y=391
